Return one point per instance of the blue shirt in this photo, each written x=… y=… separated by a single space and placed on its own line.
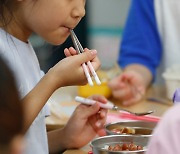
x=141 y=41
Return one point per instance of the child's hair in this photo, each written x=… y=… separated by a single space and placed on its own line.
x=6 y=12
x=11 y=112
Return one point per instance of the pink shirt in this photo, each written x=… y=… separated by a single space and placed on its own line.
x=166 y=136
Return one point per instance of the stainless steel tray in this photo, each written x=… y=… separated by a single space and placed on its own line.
x=141 y=127
x=99 y=144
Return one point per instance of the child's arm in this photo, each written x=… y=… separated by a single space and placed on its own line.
x=36 y=99
x=65 y=73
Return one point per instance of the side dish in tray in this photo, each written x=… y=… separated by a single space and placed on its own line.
x=125 y=130
x=124 y=147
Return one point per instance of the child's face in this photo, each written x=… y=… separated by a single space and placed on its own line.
x=52 y=19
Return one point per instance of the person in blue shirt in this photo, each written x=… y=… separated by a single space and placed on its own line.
x=149 y=45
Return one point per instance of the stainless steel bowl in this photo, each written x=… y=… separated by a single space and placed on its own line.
x=99 y=144
x=141 y=127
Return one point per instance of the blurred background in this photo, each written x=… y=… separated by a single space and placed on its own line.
x=100 y=29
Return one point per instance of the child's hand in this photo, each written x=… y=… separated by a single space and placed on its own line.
x=69 y=71
x=128 y=87
x=85 y=123
x=102 y=113
x=71 y=52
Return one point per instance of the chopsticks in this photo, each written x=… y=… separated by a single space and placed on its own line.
x=80 y=50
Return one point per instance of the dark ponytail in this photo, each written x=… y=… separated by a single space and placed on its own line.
x=6 y=12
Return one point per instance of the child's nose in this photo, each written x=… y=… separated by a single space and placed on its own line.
x=79 y=11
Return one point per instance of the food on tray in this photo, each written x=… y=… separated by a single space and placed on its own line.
x=125 y=130
x=124 y=147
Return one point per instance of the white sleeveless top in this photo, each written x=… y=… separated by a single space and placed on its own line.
x=22 y=60
x=168 y=20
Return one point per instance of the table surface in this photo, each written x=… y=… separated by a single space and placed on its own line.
x=145 y=105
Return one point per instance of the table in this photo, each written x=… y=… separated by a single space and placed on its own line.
x=144 y=105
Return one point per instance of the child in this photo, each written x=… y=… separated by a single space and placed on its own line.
x=52 y=20
x=11 y=115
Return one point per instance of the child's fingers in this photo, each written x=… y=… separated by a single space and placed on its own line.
x=67 y=53
x=99 y=98
x=95 y=61
x=72 y=51
x=97 y=121
x=88 y=56
x=101 y=132
x=90 y=110
x=86 y=49
x=103 y=113
x=101 y=118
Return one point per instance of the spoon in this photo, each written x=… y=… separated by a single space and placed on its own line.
x=109 y=105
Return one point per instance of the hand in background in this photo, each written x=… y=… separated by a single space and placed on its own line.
x=129 y=87
x=85 y=123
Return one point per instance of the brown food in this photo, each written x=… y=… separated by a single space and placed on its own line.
x=125 y=130
x=125 y=147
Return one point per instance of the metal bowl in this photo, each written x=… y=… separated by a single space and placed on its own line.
x=141 y=127
x=99 y=144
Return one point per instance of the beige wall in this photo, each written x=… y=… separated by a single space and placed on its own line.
x=106 y=19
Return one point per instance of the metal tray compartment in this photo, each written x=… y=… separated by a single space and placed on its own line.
x=141 y=127
x=99 y=144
